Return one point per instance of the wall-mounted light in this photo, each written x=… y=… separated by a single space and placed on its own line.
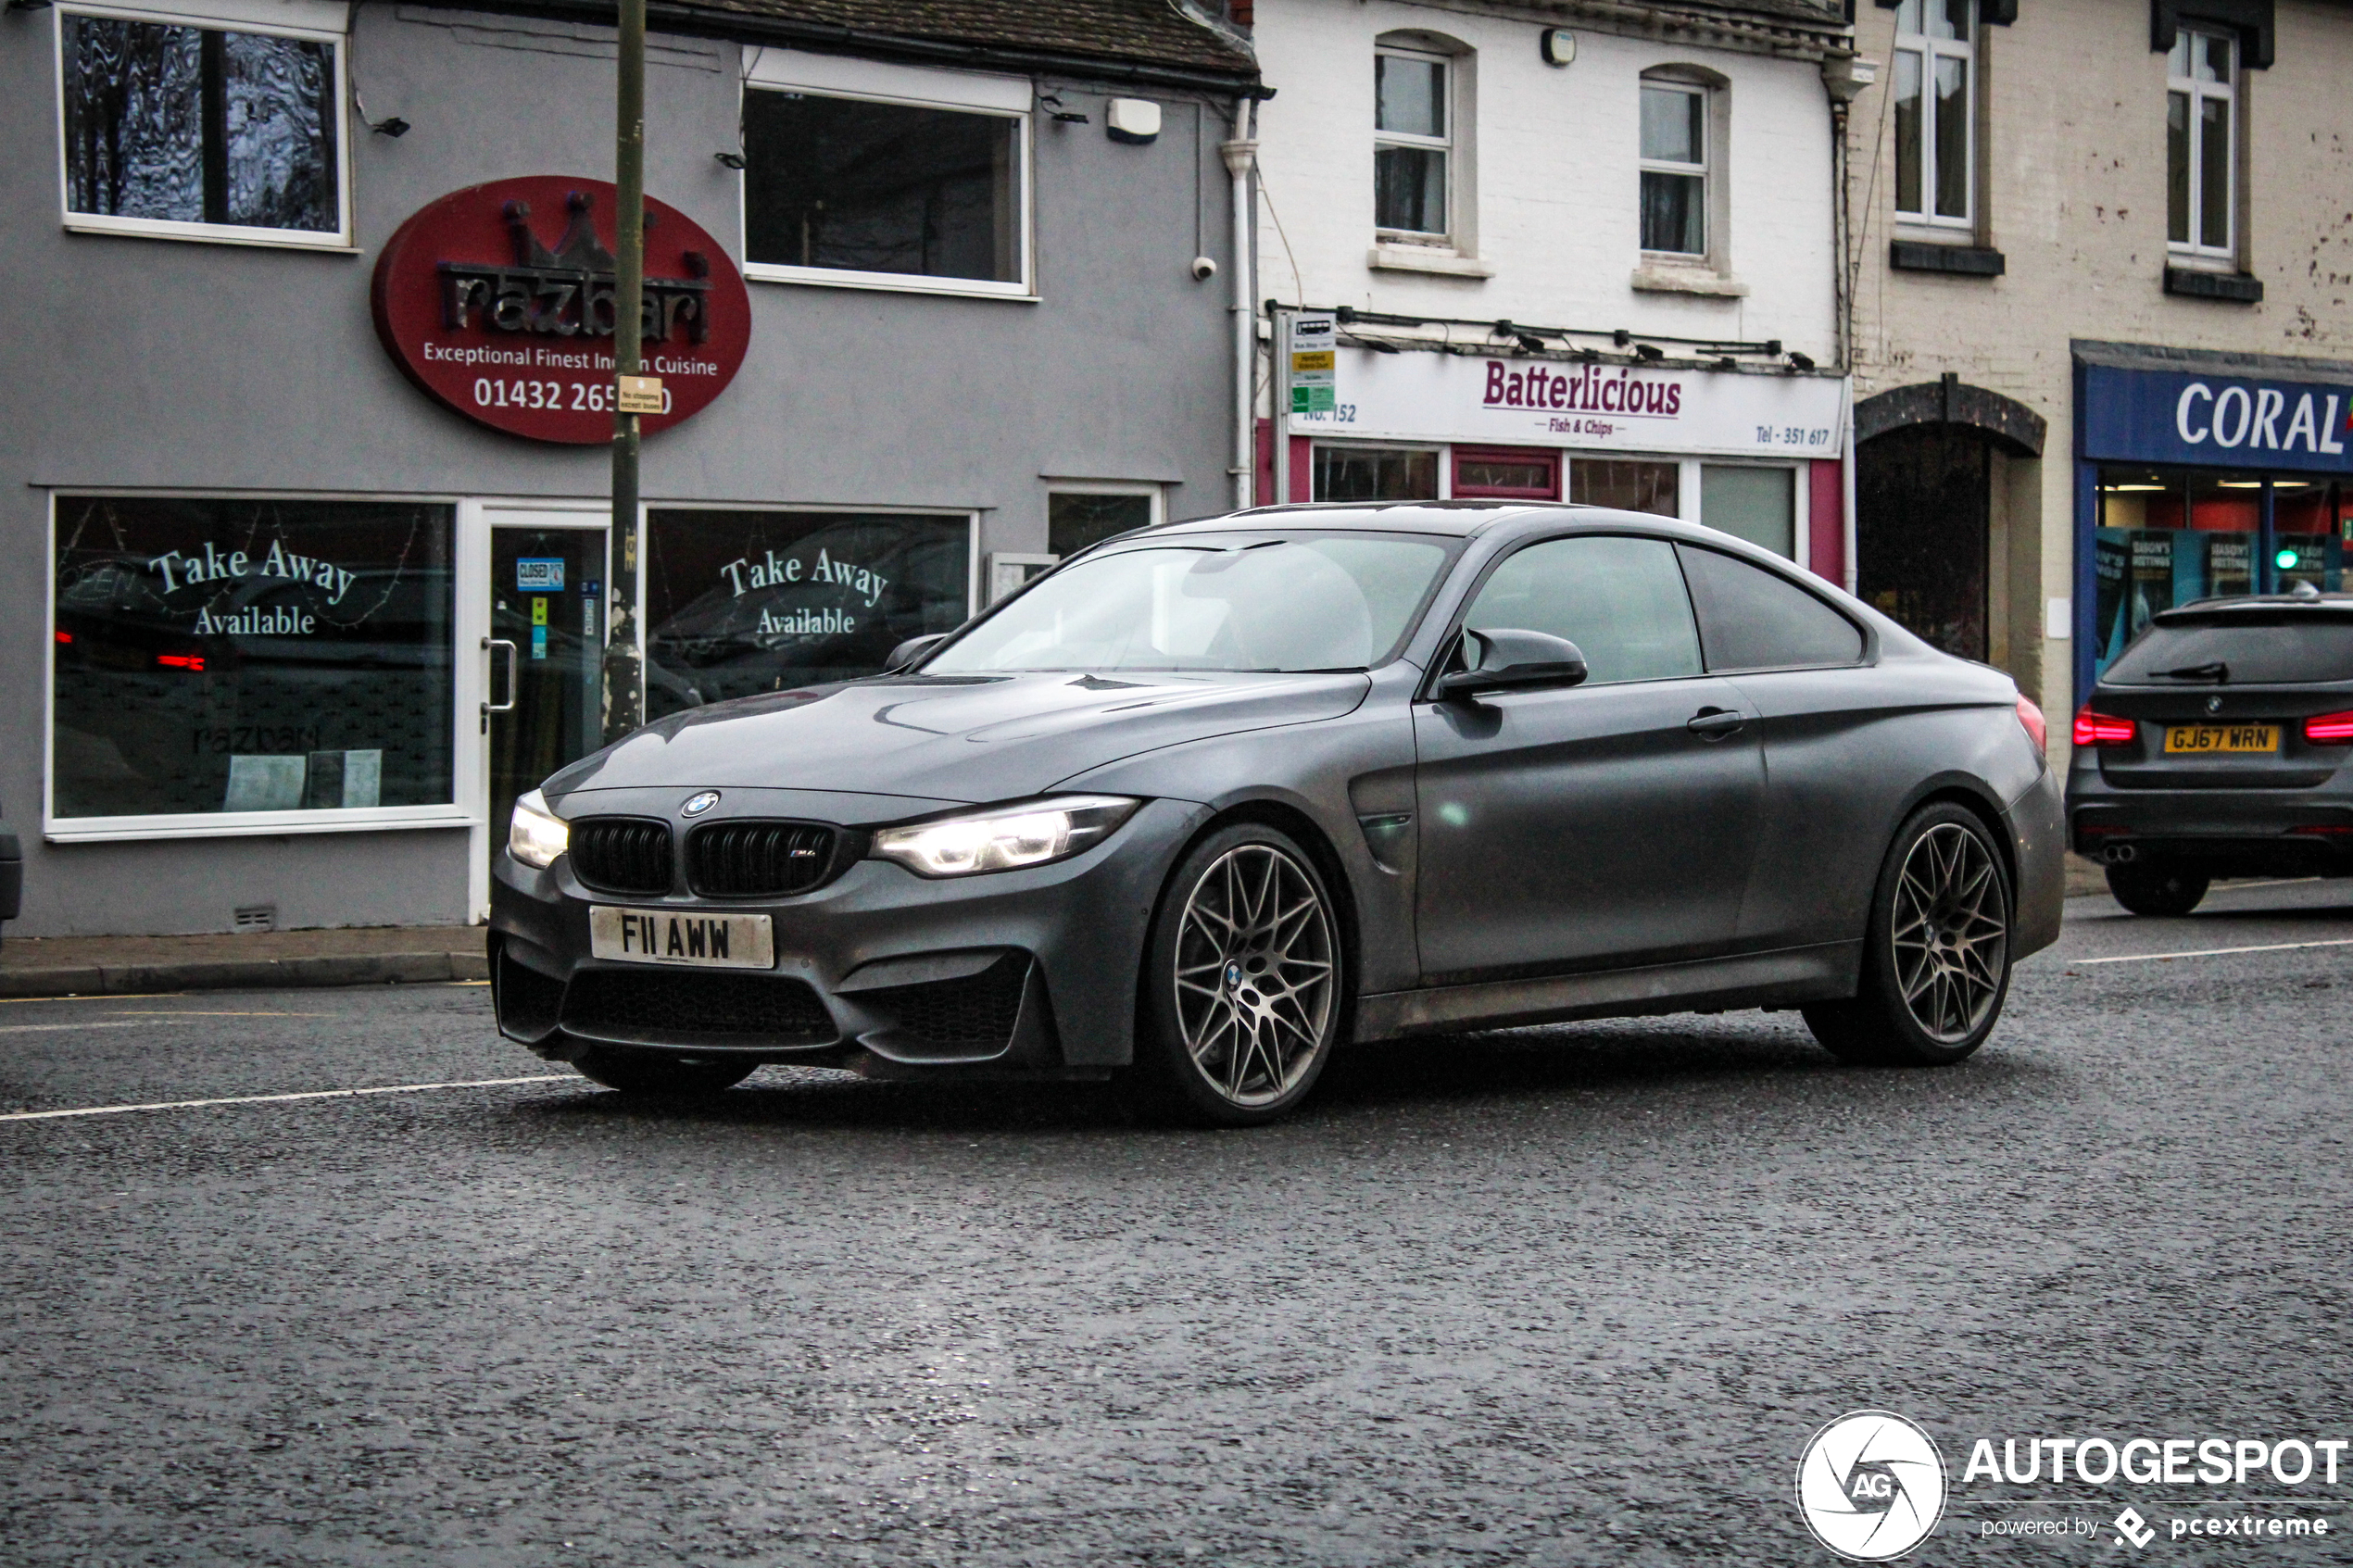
x=1054 y=107
x=1557 y=45
x=732 y=159
x=1799 y=361
x=391 y=125
x=1649 y=353
x=28 y=5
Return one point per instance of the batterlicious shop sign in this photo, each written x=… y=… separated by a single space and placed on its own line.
x=499 y=302
x=1433 y=396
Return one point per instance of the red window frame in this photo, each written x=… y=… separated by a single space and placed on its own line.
x=1549 y=457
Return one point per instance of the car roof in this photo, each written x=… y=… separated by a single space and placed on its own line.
x=1462 y=518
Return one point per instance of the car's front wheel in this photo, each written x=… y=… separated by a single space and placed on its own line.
x=2156 y=887
x=1936 y=961
x=659 y=1074
x=1244 y=982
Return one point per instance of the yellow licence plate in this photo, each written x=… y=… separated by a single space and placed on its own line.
x=2221 y=738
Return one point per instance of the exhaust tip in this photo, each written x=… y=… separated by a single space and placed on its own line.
x=2121 y=854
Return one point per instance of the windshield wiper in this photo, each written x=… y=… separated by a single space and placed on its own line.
x=2216 y=671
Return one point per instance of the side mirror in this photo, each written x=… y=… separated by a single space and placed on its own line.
x=915 y=649
x=1511 y=661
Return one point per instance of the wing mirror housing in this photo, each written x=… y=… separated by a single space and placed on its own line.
x=1509 y=661
x=915 y=649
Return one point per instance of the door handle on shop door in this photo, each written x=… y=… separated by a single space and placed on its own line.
x=1715 y=723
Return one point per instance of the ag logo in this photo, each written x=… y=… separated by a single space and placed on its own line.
x=1871 y=1485
x=697 y=805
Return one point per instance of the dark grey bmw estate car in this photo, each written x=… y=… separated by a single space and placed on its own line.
x=1212 y=799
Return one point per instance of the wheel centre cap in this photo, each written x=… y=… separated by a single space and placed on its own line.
x=1233 y=973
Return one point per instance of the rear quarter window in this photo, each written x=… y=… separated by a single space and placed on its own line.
x=2298 y=649
x=1750 y=619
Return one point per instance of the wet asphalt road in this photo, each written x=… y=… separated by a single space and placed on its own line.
x=1572 y=1294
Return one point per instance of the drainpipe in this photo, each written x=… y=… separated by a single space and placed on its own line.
x=1239 y=154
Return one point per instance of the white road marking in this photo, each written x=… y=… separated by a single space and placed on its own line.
x=2212 y=952
x=280 y=1099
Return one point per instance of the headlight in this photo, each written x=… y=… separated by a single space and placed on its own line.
x=538 y=835
x=1004 y=837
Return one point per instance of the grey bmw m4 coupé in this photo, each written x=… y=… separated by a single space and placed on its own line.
x=1213 y=800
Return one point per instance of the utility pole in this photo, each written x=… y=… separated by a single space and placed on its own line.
x=624 y=682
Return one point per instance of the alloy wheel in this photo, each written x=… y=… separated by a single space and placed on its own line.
x=1254 y=974
x=1950 y=933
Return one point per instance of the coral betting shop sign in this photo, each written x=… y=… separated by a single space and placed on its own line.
x=488 y=319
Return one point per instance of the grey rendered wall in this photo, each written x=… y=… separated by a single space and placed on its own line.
x=135 y=362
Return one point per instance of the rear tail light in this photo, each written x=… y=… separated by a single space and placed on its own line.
x=2032 y=717
x=2330 y=729
x=2323 y=830
x=2103 y=729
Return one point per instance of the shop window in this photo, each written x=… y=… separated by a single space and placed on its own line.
x=2166 y=536
x=1413 y=143
x=1077 y=518
x=1675 y=167
x=188 y=131
x=1376 y=473
x=1628 y=484
x=217 y=659
x=1755 y=504
x=841 y=188
x=740 y=601
x=2201 y=91
x=1936 y=65
x=1506 y=474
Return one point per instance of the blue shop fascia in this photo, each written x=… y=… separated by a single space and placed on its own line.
x=2199 y=473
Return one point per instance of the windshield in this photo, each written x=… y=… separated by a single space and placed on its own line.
x=1273 y=603
x=2250 y=647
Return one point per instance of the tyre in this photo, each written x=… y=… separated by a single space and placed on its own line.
x=1936 y=961
x=1244 y=983
x=660 y=1076
x=2157 y=887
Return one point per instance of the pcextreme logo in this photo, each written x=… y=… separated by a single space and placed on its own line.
x=1871 y=1485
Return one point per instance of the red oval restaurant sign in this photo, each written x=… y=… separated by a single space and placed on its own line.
x=497 y=301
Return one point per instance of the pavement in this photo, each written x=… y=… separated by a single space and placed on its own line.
x=68 y=966
x=399 y=1293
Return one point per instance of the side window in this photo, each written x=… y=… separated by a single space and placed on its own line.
x=1621 y=600
x=1413 y=143
x=1750 y=619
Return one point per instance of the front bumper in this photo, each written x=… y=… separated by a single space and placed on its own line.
x=2229 y=832
x=1027 y=972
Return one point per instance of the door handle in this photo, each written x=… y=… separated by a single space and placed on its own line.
x=487 y=643
x=1715 y=723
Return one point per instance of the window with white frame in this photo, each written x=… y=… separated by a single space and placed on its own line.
x=2200 y=162
x=1675 y=169
x=868 y=174
x=190 y=132
x=1413 y=144
x=1935 y=125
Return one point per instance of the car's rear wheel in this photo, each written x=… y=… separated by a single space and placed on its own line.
x=2158 y=887
x=1936 y=961
x=659 y=1074
x=1244 y=982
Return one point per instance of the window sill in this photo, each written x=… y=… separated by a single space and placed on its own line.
x=2196 y=283
x=199 y=233
x=889 y=282
x=1954 y=260
x=1436 y=259
x=248 y=824
x=1655 y=277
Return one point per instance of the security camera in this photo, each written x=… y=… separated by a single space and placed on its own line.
x=1203 y=268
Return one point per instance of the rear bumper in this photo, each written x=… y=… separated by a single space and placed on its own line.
x=2038 y=841
x=2247 y=832
x=1028 y=973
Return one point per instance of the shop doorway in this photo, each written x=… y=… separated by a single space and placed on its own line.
x=544 y=704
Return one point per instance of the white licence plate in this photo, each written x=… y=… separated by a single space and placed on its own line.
x=682 y=937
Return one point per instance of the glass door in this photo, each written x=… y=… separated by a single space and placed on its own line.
x=546 y=649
